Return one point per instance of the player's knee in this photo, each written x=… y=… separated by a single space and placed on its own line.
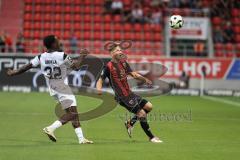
x=141 y=114
x=148 y=107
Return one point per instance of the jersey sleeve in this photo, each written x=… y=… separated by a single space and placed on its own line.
x=105 y=73
x=35 y=61
x=128 y=68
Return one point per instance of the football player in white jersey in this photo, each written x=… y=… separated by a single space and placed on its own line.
x=55 y=66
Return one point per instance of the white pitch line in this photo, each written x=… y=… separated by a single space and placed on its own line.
x=221 y=100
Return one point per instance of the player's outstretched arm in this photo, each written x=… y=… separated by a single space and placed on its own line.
x=99 y=85
x=138 y=76
x=12 y=72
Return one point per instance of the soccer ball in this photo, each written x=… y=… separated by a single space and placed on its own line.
x=176 y=21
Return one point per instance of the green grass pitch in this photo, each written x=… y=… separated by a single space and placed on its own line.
x=212 y=134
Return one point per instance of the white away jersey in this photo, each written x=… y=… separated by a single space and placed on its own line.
x=55 y=66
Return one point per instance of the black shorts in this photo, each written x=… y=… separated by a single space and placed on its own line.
x=133 y=103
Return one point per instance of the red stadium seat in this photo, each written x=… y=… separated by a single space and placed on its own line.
x=27 y=25
x=78 y=2
x=107 y=26
x=157 y=37
x=97 y=35
x=87 y=10
x=67 y=2
x=87 y=18
x=97 y=18
x=87 y=35
x=148 y=36
x=98 y=2
x=97 y=27
x=235 y=21
x=57 y=1
x=117 y=36
x=157 y=28
x=117 y=18
x=138 y=36
x=230 y=54
x=47 y=25
x=67 y=26
x=77 y=18
x=57 y=26
x=217 y=21
x=37 y=17
x=157 y=45
x=235 y=12
x=97 y=10
x=27 y=34
x=57 y=17
x=77 y=26
x=237 y=37
x=66 y=35
x=127 y=27
x=87 y=2
x=137 y=27
x=236 y=29
x=47 y=9
x=107 y=18
x=38 y=8
x=28 y=1
x=37 y=26
x=77 y=9
x=67 y=17
x=219 y=54
x=27 y=17
x=107 y=36
x=147 y=27
x=218 y=47
x=229 y=47
x=148 y=45
x=36 y=35
x=128 y=35
x=97 y=44
x=47 y=17
x=87 y=26
x=67 y=9
x=28 y=8
x=117 y=27
x=57 y=9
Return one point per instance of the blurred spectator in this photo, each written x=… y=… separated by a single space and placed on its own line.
x=174 y=3
x=184 y=80
x=107 y=6
x=137 y=14
x=20 y=46
x=184 y=4
x=218 y=35
x=73 y=44
x=156 y=16
x=2 y=42
x=8 y=43
x=228 y=33
x=117 y=7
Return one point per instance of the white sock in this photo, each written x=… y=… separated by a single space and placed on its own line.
x=55 y=125
x=79 y=133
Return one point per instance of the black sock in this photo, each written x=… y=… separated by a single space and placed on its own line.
x=145 y=127
x=133 y=120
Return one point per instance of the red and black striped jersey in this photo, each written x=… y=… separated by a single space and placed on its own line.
x=117 y=74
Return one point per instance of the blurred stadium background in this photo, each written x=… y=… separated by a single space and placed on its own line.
x=210 y=38
x=202 y=58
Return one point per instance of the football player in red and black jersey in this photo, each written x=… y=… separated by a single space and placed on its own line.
x=117 y=70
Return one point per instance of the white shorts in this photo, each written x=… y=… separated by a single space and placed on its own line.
x=66 y=100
